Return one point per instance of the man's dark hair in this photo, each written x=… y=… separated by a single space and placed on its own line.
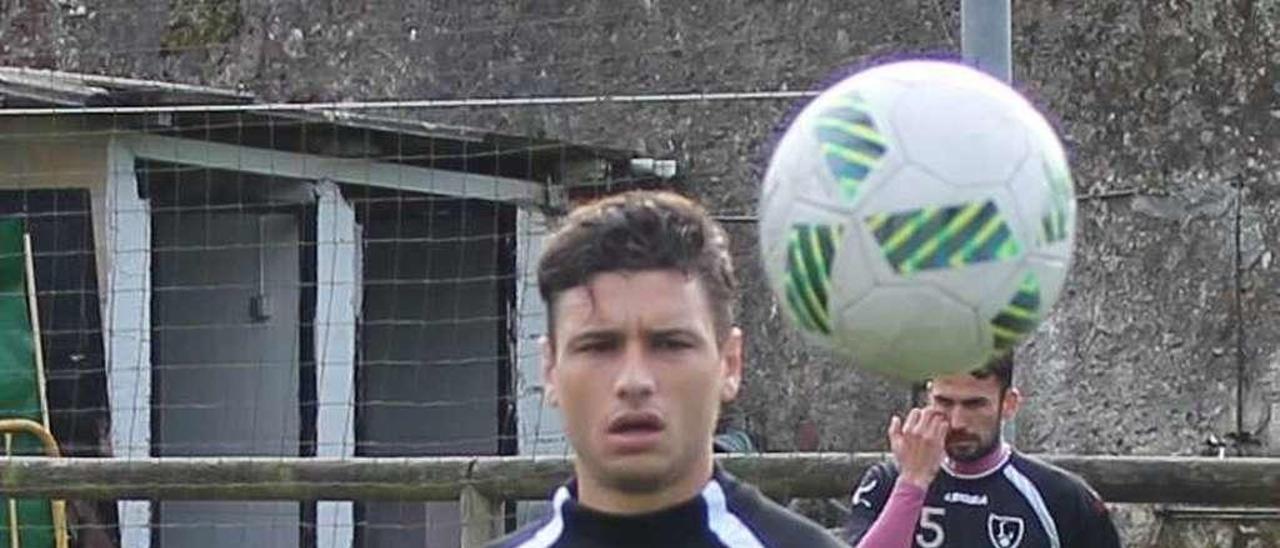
x=1000 y=367
x=635 y=231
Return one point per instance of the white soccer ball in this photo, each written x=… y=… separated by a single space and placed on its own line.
x=919 y=217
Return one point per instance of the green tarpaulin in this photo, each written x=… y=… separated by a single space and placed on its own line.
x=19 y=384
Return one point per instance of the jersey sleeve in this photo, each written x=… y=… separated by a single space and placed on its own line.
x=868 y=500
x=1094 y=527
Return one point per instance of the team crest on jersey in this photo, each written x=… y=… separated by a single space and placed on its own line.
x=1004 y=531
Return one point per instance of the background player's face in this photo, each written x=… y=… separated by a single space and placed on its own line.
x=975 y=410
x=636 y=370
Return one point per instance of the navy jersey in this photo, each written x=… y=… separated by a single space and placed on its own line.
x=1021 y=503
x=726 y=514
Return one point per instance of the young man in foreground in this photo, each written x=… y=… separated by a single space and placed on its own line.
x=640 y=355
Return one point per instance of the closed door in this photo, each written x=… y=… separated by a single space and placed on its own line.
x=225 y=329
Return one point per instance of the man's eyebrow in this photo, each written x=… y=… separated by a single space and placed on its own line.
x=595 y=335
x=673 y=331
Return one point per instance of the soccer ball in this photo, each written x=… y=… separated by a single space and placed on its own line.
x=919 y=217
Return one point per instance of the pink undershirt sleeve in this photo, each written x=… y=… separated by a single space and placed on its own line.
x=896 y=523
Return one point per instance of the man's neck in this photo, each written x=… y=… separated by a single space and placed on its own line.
x=982 y=465
x=600 y=497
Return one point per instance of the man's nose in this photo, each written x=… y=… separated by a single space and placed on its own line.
x=635 y=377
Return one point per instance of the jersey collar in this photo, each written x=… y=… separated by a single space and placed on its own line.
x=998 y=459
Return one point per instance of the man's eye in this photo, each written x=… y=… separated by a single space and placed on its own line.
x=594 y=347
x=672 y=344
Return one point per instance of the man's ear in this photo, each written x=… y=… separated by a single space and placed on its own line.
x=548 y=351
x=731 y=365
x=1012 y=402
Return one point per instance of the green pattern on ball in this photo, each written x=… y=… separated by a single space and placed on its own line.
x=851 y=144
x=1019 y=317
x=810 y=252
x=933 y=238
x=1053 y=226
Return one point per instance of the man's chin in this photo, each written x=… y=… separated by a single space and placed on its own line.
x=638 y=474
x=964 y=452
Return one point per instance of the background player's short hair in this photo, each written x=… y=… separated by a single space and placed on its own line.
x=640 y=230
x=1000 y=367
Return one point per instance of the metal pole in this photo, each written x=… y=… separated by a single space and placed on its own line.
x=985 y=36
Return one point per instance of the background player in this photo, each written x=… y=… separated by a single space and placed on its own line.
x=955 y=481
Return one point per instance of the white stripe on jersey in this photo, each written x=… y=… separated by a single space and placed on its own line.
x=550 y=533
x=1029 y=491
x=726 y=526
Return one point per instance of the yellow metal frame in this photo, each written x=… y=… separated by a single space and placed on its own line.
x=25 y=426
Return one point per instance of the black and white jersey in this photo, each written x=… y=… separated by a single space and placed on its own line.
x=1020 y=503
x=726 y=514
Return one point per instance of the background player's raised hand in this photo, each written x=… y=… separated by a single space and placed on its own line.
x=918 y=444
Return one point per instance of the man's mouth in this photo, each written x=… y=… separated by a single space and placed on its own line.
x=636 y=423
x=635 y=432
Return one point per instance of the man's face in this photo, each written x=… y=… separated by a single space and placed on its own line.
x=975 y=410
x=636 y=370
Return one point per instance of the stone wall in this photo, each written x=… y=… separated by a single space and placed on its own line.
x=1166 y=334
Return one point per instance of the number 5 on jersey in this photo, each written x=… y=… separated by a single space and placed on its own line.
x=931 y=534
